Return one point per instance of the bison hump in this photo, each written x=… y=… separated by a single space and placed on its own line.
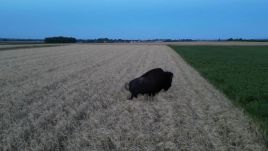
x=155 y=71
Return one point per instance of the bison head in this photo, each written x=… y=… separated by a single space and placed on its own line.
x=168 y=80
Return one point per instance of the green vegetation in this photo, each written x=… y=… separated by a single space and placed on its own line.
x=241 y=72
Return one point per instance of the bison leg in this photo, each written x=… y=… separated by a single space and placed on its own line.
x=131 y=97
x=147 y=96
x=152 y=98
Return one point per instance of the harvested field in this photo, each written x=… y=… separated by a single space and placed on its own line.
x=72 y=98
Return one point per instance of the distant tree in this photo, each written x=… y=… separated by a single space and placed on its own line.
x=60 y=39
x=102 y=40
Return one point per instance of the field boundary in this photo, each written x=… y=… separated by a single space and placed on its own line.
x=29 y=47
x=255 y=115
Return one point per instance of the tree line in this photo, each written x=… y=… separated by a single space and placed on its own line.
x=60 y=39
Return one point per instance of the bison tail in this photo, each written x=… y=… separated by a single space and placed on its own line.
x=127 y=86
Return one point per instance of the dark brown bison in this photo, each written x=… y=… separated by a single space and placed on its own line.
x=150 y=83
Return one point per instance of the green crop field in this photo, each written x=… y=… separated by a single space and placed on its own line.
x=240 y=72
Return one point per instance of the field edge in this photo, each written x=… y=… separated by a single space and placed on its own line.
x=259 y=125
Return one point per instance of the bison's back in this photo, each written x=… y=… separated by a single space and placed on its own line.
x=153 y=81
x=156 y=71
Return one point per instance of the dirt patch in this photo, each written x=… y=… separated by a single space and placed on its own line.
x=72 y=98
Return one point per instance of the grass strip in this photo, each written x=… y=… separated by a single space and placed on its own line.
x=240 y=72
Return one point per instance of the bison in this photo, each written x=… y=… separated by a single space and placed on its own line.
x=150 y=83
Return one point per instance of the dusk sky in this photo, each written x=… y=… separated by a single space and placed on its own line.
x=134 y=19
